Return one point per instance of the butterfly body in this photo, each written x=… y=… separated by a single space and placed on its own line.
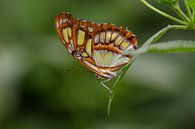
x=98 y=47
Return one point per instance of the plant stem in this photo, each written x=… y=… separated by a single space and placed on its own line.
x=188 y=10
x=176 y=8
x=154 y=39
x=168 y=47
x=163 y=13
x=162 y=32
x=116 y=83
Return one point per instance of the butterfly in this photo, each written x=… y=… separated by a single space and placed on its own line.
x=98 y=47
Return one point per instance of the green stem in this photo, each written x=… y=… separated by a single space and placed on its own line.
x=188 y=9
x=161 y=33
x=168 y=47
x=176 y=8
x=154 y=39
x=163 y=13
x=116 y=83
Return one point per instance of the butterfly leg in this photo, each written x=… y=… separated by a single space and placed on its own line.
x=107 y=80
x=105 y=86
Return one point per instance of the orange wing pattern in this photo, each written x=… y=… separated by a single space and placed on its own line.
x=97 y=46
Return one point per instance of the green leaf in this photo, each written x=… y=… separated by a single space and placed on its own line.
x=171 y=47
x=191 y=3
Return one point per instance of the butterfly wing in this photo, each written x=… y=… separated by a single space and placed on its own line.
x=97 y=46
x=64 y=30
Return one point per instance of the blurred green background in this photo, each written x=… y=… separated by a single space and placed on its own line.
x=43 y=87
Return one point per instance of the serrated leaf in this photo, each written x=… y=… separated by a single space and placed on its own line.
x=172 y=46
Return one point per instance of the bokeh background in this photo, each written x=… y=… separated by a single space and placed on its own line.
x=43 y=87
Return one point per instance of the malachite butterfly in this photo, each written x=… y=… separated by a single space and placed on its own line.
x=98 y=47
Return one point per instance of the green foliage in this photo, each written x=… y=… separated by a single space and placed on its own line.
x=186 y=22
x=191 y=3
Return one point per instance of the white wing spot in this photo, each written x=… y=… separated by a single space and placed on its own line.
x=96 y=39
x=102 y=37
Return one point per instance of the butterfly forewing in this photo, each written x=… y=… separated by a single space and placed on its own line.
x=98 y=47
